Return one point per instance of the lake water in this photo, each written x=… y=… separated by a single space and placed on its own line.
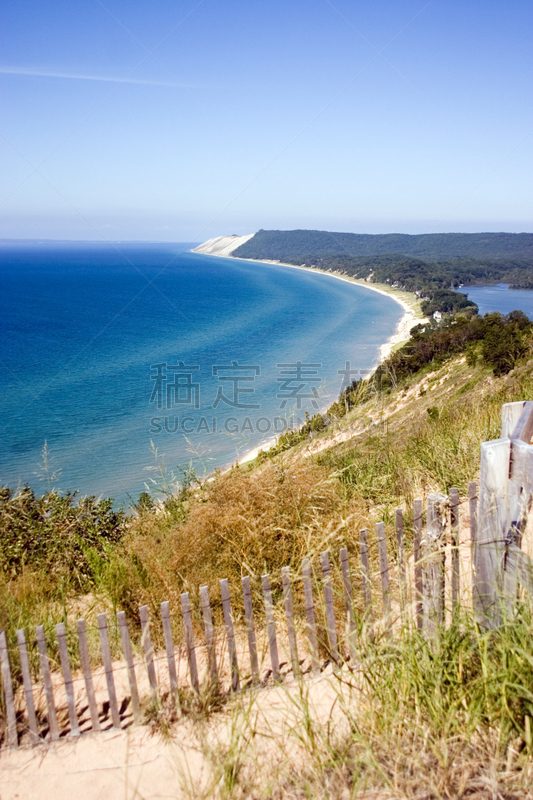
x=109 y=351
x=500 y=298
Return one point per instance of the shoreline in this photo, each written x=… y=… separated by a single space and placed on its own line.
x=407 y=300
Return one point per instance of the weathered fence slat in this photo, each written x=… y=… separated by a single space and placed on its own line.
x=384 y=572
x=148 y=648
x=87 y=675
x=472 y=511
x=108 y=668
x=28 y=689
x=67 y=679
x=169 y=648
x=494 y=516
x=271 y=627
x=310 y=615
x=365 y=567
x=130 y=666
x=209 y=633
x=330 y=610
x=230 y=633
x=47 y=683
x=289 y=615
x=456 y=575
x=9 y=699
x=417 y=555
x=348 y=602
x=250 y=628
x=189 y=640
x=400 y=544
x=434 y=564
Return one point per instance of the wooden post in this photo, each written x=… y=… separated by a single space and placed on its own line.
x=289 y=615
x=189 y=640
x=209 y=633
x=28 y=690
x=310 y=615
x=456 y=574
x=169 y=648
x=384 y=572
x=493 y=524
x=271 y=627
x=108 y=667
x=228 y=621
x=330 y=611
x=47 y=683
x=348 y=602
x=67 y=679
x=87 y=675
x=367 y=584
x=417 y=555
x=11 y=716
x=148 y=648
x=472 y=510
x=400 y=543
x=250 y=628
x=130 y=666
x=434 y=564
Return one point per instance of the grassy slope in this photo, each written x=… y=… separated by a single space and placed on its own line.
x=437 y=723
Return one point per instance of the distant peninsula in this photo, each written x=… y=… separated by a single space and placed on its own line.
x=430 y=265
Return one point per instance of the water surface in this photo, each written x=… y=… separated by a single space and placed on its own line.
x=109 y=351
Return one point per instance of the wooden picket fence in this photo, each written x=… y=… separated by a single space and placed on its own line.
x=417 y=600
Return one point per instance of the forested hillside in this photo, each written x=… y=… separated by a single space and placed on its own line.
x=293 y=244
x=423 y=263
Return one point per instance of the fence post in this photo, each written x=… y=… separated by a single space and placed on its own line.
x=87 y=675
x=417 y=555
x=108 y=667
x=47 y=683
x=11 y=716
x=271 y=627
x=189 y=640
x=28 y=690
x=348 y=602
x=250 y=628
x=367 y=583
x=330 y=610
x=67 y=679
x=148 y=648
x=472 y=510
x=130 y=666
x=434 y=563
x=310 y=615
x=384 y=572
x=456 y=574
x=400 y=542
x=209 y=633
x=289 y=615
x=169 y=649
x=228 y=621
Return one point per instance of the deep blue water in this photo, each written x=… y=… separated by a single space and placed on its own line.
x=84 y=325
x=500 y=298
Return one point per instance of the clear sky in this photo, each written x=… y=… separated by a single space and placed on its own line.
x=183 y=120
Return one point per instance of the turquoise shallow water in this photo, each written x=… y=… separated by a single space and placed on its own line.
x=109 y=349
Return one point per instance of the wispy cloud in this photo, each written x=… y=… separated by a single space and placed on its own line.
x=41 y=73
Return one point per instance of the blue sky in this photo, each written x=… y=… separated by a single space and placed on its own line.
x=178 y=121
